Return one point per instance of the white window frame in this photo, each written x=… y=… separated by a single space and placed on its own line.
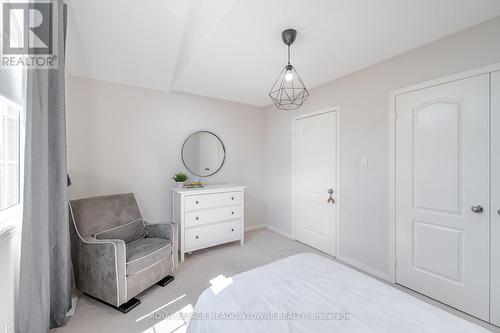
x=11 y=217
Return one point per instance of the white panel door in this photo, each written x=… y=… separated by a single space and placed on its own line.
x=314 y=175
x=442 y=184
x=495 y=199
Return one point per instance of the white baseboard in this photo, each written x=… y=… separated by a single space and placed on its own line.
x=269 y=227
x=367 y=269
x=71 y=311
x=278 y=231
x=254 y=227
x=349 y=261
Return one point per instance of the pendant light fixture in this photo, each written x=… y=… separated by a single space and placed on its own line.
x=288 y=92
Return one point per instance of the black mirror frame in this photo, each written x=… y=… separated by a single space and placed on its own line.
x=223 y=149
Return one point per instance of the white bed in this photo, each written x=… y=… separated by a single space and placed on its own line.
x=304 y=285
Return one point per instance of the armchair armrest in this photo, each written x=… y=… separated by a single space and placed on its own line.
x=102 y=269
x=166 y=231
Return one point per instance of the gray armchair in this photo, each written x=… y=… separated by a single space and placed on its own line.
x=116 y=254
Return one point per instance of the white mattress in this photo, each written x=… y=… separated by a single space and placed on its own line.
x=316 y=294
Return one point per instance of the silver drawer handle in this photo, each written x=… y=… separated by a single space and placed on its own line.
x=477 y=209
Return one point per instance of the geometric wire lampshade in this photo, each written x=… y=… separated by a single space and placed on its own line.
x=288 y=91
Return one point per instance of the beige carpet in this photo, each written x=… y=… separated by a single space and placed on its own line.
x=261 y=247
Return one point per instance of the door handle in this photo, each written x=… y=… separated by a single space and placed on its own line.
x=477 y=209
x=331 y=199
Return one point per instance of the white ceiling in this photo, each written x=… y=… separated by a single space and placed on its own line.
x=232 y=49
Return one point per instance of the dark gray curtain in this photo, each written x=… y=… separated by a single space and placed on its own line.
x=44 y=286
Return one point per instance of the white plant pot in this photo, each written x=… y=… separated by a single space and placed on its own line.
x=179 y=184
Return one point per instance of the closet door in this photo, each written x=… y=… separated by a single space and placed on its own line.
x=442 y=193
x=495 y=199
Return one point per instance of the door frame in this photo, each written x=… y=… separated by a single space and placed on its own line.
x=392 y=144
x=336 y=228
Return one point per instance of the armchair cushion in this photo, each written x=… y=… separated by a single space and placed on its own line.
x=129 y=232
x=92 y=215
x=168 y=231
x=147 y=252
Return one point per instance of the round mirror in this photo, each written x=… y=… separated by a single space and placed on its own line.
x=203 y=153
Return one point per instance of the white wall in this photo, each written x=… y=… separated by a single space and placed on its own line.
x=128 y=139
x=363 y=99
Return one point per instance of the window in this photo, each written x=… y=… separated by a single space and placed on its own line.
x=12 y=91
x=10 y=175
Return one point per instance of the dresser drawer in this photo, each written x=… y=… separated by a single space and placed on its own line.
x=212 y=215
x=202 y=201
x=197 y=238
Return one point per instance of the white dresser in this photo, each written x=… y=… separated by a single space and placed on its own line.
x=208 y=216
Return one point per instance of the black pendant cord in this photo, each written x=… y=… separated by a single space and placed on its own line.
x=288 y=54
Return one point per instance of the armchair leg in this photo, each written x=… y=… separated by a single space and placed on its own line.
x=166 y=280
x=124 y=308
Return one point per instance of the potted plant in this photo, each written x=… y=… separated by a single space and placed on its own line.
x=179 y=179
